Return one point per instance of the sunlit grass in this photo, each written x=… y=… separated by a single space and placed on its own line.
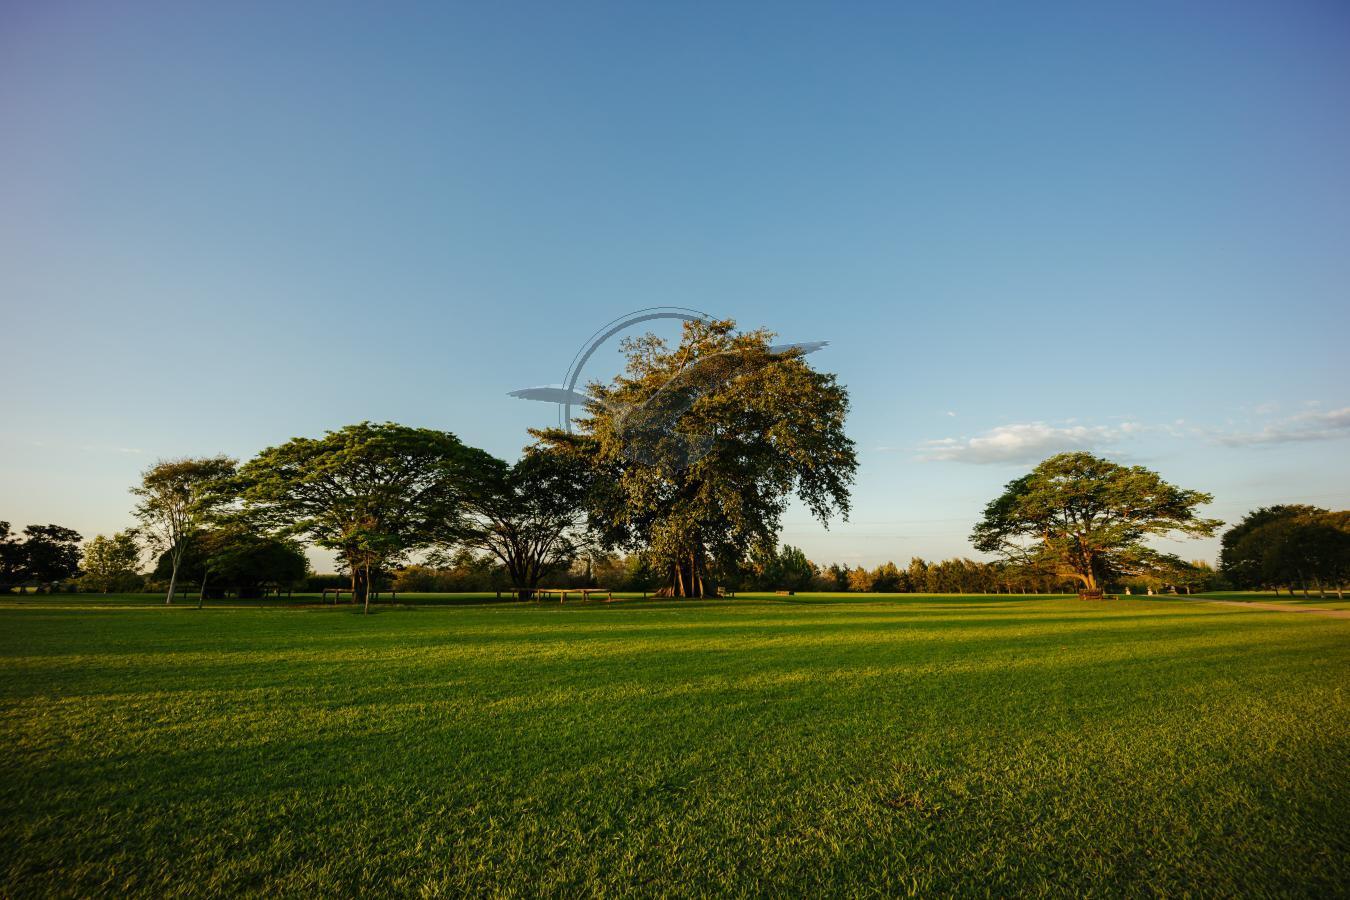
x=761 y=745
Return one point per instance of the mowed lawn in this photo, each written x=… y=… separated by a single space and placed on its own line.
x=787 y=746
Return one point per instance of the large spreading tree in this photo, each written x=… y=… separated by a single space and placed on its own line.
x=1079 y=516
x=529 y=516
x=371 y=492
x=695 y=450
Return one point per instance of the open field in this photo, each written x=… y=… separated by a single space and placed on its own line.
x=842 y=744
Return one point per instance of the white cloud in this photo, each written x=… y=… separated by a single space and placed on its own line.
x=1026 y=442
x=1308 y=426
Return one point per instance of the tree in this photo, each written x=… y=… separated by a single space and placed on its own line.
x=12 y=559
x=1294 y=550
x=887 y=579
x=788 y=569
x=917 y=576
x=371 y=492
x=112 y=564
x=695 y=450
x=50 y=553
x=1326 y=539
x=529 y=515
x=1243 y=562
x=176 y=497
x=1087 y=518
x=236 y=558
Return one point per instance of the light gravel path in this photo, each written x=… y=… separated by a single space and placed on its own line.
x=1334 y=613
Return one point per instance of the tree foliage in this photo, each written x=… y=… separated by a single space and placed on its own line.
x=47 y=554
x=372 y=492
x=1241 y=561
x=12 y=569
x=1288 y=546
x=772 y=569
x=1082 y=516
x=235 y=558
x=112 y=563
x=175 y=498
x=530 y=516
x=695 y=450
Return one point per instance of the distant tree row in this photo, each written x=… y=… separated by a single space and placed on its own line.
x=688 y=474
x=43 y=556
x=675 y=480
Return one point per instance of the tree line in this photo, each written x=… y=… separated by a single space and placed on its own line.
x=675 y=481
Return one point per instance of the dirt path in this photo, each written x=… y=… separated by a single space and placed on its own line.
x=1334 y=613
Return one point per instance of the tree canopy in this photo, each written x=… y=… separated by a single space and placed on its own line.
x=1240 y=560
x=112 y=564
x=530 y=516
x=48 y=554
x=1288 y=546
x=235 y=558
x=372 y=492
x=1088 y=518
x=176 y=496
x=695 y=450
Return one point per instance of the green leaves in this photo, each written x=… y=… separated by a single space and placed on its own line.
x=1088 y=517
x=1286 y=546
x=370 y=491
x=712 y=478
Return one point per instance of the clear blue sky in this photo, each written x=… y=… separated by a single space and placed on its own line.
x=1023 y=227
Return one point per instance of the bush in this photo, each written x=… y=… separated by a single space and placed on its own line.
x=316 y=583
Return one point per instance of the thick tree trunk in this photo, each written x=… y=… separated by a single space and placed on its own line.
x=360 y=585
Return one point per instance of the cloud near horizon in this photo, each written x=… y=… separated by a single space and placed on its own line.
x=1025 y=442
x=1308 y=426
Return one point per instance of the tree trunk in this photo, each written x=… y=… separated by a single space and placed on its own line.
x=366 y=610
x=201 y=595
x=173 y=583
x=360 y=584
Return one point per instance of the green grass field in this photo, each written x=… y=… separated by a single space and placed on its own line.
x=788 y=746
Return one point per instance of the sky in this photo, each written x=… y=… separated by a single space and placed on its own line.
x=1023 y=228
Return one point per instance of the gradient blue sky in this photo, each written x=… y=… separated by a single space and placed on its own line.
x=1023 y=227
